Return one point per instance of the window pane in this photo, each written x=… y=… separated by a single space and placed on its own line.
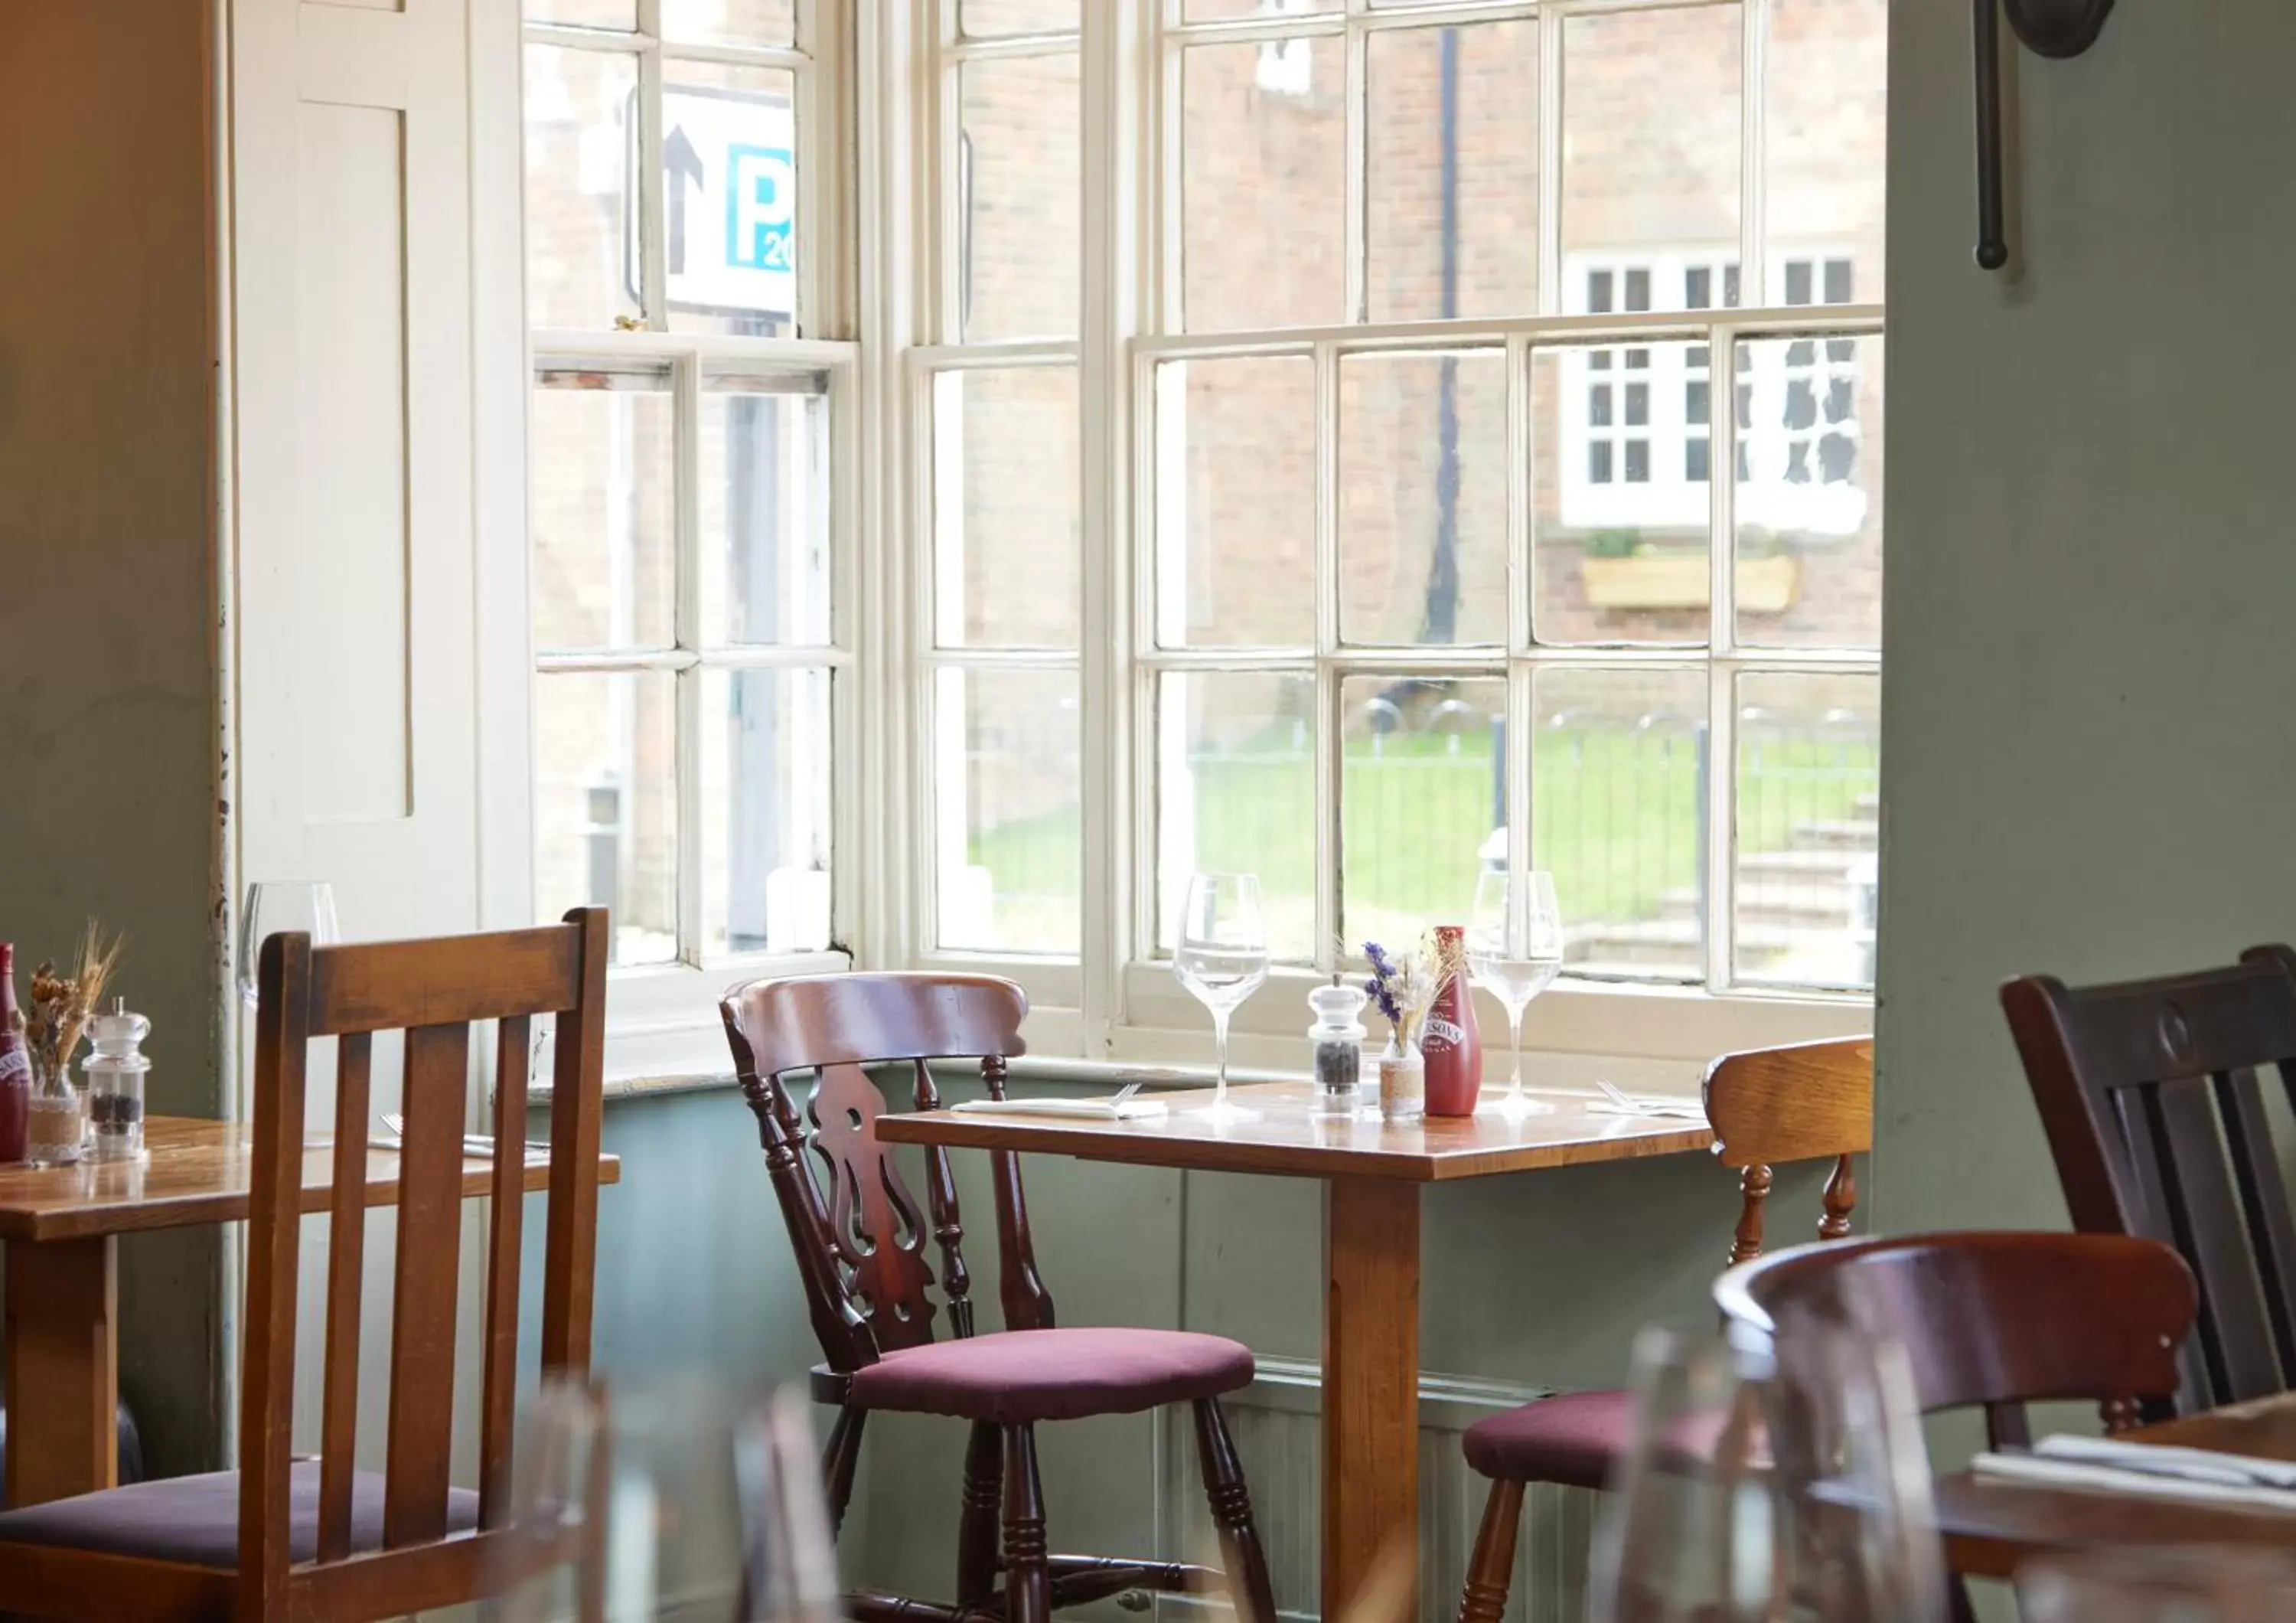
x=605 y=804
x=764 y=811
x=603 y=495
x=1810 y=493
x=1461 y=103
x=1263 y=157
x=1649 y=138
x=1617 y=815
x=1235 y=793
x=732 y=22
x=980 y=18
x=1424 y=499
x=1235 y=502
x=579 y=104
x=585 y=14
x=1017 y=186
x=1007 y=512
x=1229 y=10
x=765 y=508
x=730 y=177
x=1824 y=134
x=1422 y=801
x=1808 y=828
x=1007 y=845
x=1621 y=503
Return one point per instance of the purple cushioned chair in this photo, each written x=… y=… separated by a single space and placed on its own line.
x=1808 y=1101
x=860 y=1238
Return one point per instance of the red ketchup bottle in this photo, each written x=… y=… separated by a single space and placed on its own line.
x=1453 y=1046
x=15 y=1065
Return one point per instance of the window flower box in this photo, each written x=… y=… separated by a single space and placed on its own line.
x=1665 y=581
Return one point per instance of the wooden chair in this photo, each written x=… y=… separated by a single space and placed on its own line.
x=1991 y=1320
x=1808 y=1101
x=283 y=1538
x=2150 y=1094
x=860 y=1246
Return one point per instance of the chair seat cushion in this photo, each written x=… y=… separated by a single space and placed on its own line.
x=195 y=1519
x=1015 y=1377
x=1573 y=1438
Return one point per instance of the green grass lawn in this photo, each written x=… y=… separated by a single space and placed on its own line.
x=1614 y=813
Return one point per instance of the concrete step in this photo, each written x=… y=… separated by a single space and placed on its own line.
x=1668 y=941
x=1808 y=904
x=1821 y=864
x=1838 y=834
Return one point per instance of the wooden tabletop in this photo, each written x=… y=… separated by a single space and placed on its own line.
x=1284 y=1138
x=197 y=1173
x=1990 y=1526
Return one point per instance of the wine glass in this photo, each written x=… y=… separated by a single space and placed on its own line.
x=1222 y=959
x=1514 y=947
x=1783 y=1482
x=281 y=907
x=666 y=1502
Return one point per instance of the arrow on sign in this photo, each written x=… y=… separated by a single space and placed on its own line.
x=679 y=160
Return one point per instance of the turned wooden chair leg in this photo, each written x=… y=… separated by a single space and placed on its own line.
x=1491 y=1570
x=838 y=1462
x=1027 y=1574
x=1254 y=1593
x=976 y=1535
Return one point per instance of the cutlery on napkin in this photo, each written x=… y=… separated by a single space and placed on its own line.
x=473 y=1143
x=1617 y=1102
x=1123 y=1108
x=2110 y=1465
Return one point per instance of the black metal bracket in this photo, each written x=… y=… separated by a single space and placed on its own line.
x=2050 y=28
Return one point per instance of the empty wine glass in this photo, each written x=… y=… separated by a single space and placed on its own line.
x=666 y=1503
x=277 y=907
x=1514 y=947
x=1779 y=1483
x=1222 y=958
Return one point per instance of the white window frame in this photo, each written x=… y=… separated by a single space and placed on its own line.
x=664 y=1017
x=1118 y=1001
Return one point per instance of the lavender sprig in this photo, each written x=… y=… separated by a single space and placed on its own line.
x=1379 y=985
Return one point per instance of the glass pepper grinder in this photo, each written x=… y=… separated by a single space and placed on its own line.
x=1337 y=1039
x=115 y=1073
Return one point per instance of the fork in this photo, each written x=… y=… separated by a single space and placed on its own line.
x=473 y=1143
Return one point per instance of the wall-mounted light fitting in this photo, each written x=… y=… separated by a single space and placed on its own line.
x=2052 y=28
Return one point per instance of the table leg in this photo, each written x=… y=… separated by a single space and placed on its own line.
x=60 y=1359
x=1371 y=1385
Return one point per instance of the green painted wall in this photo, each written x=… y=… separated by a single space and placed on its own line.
x=2087 y=758
x=108 y=723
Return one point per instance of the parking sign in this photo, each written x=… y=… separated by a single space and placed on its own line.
x=729 y=193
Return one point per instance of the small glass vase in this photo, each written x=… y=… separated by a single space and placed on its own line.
x=1402 y=1080
x=56 y=1119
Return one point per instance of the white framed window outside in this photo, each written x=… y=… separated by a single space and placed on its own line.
x=1337 y=598
x=693 y=466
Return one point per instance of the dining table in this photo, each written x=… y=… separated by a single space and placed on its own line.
x=1992 y=1526
x=1373 y=1172
x=60 y=1228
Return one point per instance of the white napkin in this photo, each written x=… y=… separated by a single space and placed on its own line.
x=1667 y=1109
x=1088 y=1109
x=2110 y=1465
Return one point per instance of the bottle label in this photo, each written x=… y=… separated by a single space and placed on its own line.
x=1440 y=1030
x=14 y=1062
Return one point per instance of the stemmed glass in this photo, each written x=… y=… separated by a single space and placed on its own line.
x=666 y=1502
x=1514 y=947
x=1222 y=958
x=1777 y=1483
x=281 y=906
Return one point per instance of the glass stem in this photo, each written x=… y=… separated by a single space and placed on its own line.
x=1219 y=1041
x=1514 y=1044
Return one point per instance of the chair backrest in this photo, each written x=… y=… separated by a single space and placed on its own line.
x=433 y=991
x=858 y=1234
x=2151 y=1096
x=1801 y=1102
x=1994 y=1320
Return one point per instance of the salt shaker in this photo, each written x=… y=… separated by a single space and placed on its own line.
x=1337 y=1038
x=115 y=1076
